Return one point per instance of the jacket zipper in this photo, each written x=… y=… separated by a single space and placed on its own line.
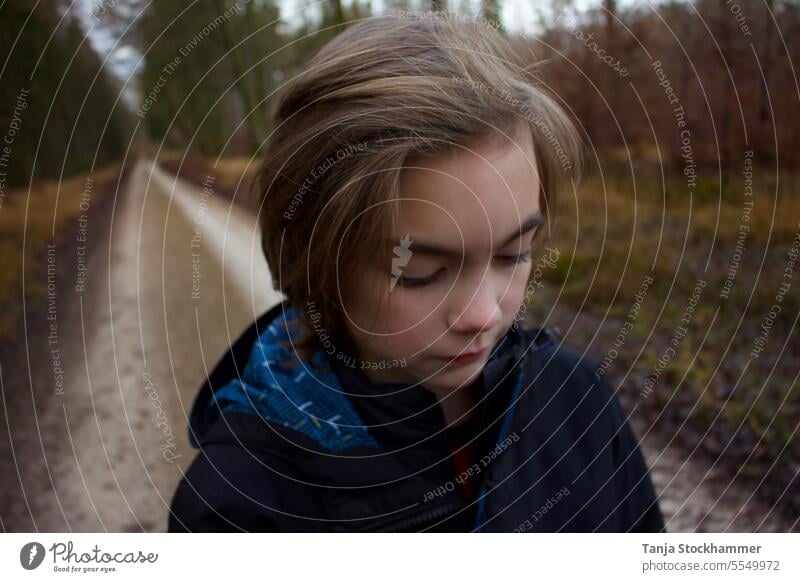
x=504 y=428
x=408 y=523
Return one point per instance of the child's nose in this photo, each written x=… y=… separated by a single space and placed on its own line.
x=477 y=311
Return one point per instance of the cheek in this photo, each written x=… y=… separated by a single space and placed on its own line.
x=377 y=310
x=517 y=286
x=408 y=316
x=399 y=330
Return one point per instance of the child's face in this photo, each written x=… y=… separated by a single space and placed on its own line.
x=471 y=202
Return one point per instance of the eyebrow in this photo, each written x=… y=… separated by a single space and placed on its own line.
x=427 y=248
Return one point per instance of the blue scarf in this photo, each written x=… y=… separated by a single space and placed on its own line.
x=280 y=388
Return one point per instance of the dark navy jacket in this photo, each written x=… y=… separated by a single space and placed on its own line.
x=288 y=446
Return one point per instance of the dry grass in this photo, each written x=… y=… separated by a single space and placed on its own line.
x=29 y=219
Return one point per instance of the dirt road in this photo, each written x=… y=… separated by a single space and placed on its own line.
x=181 y=277
x=161 y=310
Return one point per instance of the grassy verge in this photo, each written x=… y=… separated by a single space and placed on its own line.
x=50 y=212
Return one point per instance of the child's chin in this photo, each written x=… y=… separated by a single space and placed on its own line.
x=455 y=378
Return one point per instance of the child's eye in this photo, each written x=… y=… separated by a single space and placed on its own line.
x=411 y=282
x=419 y=281
x=514 y=259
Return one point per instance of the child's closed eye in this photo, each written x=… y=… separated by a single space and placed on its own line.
x=412 y=282
x=514 y=259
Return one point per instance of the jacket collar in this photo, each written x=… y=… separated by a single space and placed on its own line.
x=397 y=415
x=402 y=414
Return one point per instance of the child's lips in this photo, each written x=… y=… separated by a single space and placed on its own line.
x=464 y=358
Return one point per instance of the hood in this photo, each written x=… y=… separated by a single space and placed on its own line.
x=329 y=401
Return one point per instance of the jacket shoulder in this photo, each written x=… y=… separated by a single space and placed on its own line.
x=243 y=479
x=558 y=360
x=218 y=493
x=568 y=379
x=571 y=386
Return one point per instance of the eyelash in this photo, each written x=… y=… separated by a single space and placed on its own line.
x=424 y=281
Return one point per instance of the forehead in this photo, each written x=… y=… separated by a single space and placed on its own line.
x=478 y=194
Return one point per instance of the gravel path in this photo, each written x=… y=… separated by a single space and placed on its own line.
x=115 y=444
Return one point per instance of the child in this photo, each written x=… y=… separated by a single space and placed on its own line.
x=406 y=189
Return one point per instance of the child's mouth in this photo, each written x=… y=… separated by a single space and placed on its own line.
x=464 y=359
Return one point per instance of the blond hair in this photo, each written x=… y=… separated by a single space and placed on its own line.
x=386 y=89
